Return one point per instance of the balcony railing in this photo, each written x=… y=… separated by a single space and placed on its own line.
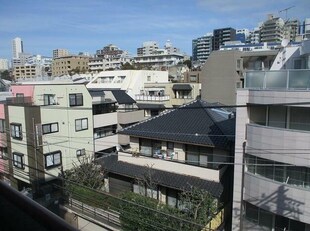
x=19 y=100
x=282 y=79
x=152 y=98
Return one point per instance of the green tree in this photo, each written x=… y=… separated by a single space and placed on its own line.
x=199 y=204
x=6 y=75
x=86 y=173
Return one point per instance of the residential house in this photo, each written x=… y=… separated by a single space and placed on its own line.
x=48 y=128
x=183 y=147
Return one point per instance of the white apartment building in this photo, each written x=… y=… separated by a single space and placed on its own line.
x=132 y=81
x=148 y=48
x=4 y=64
x=201 y=48
x=17 y=47
x=272 y=164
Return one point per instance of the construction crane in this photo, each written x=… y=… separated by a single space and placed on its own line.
x=286 y=9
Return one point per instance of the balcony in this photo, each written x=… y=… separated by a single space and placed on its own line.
x=283 y=79
x=165 y=162
x=128 y=117
x=19 y=100
x=153 y=98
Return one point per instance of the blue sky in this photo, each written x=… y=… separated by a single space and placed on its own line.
x=89 y=25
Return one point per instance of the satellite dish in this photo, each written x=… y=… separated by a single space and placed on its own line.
x=285 y=42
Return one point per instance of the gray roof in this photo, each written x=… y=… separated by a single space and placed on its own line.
x=122 y=97
x=181 y=87
x=193 y=123
x=163 y=178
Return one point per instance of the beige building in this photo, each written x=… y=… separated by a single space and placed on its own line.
x=69 y=65
x=222 y=73
x=60 y=52
x=26 y=71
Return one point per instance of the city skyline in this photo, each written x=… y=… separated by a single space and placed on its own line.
x=86 y=26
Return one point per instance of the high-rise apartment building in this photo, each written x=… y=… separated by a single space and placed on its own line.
x=60 y=52
x=148 y=48
x=17 y=47
x=202 y=47
x=272 y=29
x=220 y=36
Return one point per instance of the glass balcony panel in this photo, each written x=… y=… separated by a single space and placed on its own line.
x=299 y=79
x=255 y=79
x=276 y=79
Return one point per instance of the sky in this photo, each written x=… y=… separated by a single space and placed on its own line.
x=89 y=25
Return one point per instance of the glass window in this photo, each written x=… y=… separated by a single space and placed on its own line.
x=49 y=128
x=18 y=160
x=49 y=99
x=52 y=159
x=146 y=147
x=277 y=116
x=76 y=99
x=265 y=218
x=300 y=118
x=251 y=212
x=80 y=152
x=258 y=114
x=2 y=126
x=16 y=131
x=81 y=124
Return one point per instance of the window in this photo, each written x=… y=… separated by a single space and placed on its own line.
x=76 y=99
x=50 y=128
x=49 y=99
x=18 y=160
x=81 y=124
x=105 y=131
x=52 y=159
x=16 y=131
x=80 y=152
x=2 y=126
x=3 y=153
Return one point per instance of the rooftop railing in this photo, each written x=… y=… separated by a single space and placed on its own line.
x=280 y=79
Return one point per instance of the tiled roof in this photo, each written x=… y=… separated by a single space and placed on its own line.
x=193 y=123
x=122 y=97
x=163 y=178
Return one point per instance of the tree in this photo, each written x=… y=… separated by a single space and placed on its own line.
x=195 y=208
x=198 y=204
x=86 y=173
x=6 y=75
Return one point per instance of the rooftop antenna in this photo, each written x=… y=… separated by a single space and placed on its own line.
x=286 y=9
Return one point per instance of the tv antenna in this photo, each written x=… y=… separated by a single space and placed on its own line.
x=286 y=9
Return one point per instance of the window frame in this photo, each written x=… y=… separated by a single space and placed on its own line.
x=52 y=154
x=13 y=134
x=18 y=163
x=80 y=152
x=82 y=129
x=2 y=126
x=49 y=99
x=50 y=125
x=76 y=99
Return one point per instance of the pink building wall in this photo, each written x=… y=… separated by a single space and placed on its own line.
x=27 y=90
x=2 y=140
